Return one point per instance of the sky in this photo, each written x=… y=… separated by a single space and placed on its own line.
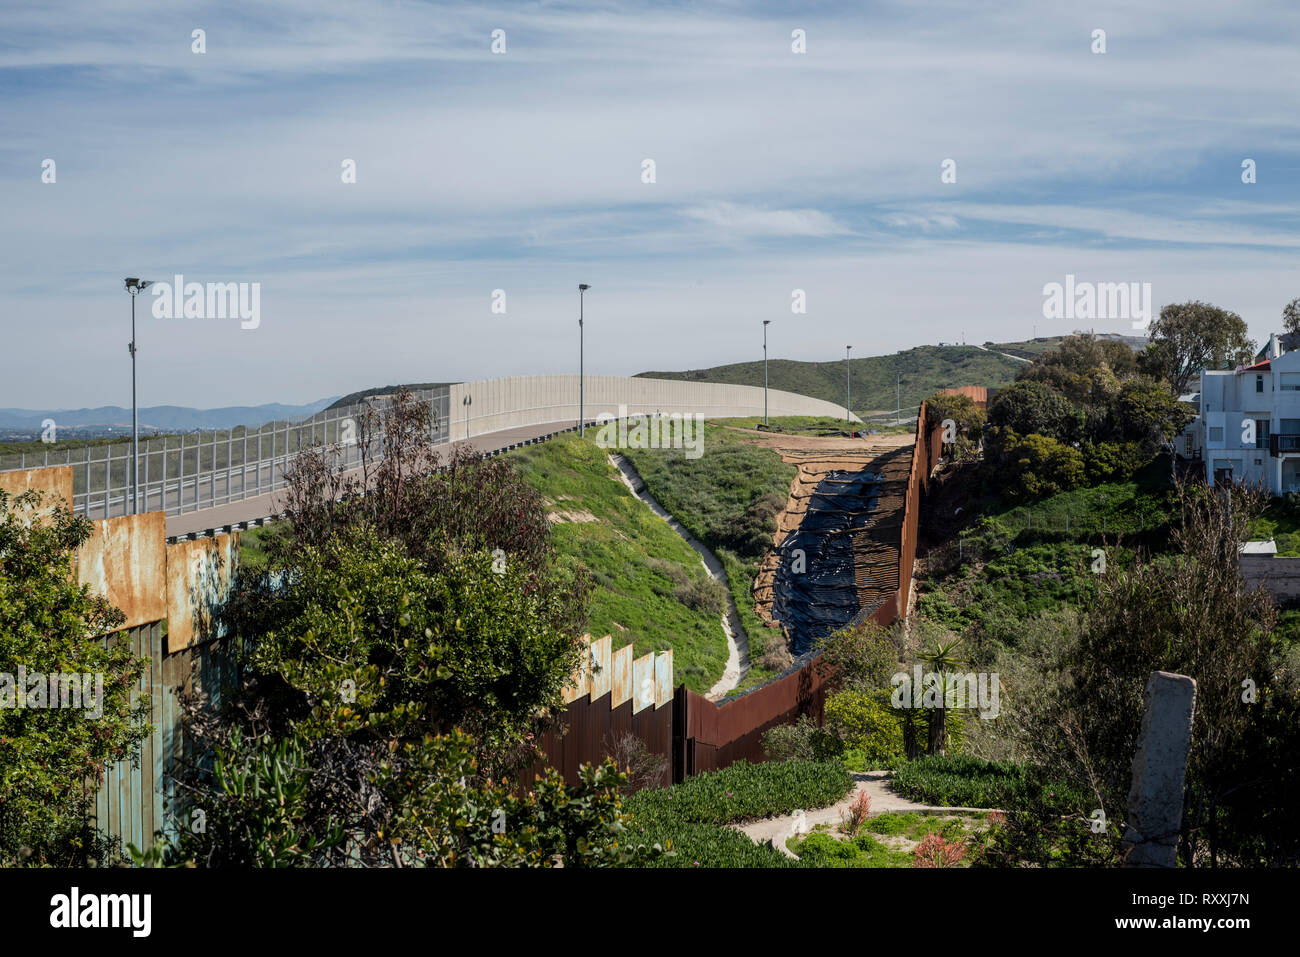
x=523 y=172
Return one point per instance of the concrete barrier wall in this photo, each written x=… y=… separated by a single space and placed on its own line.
x=1281 y=576
x=498 y=404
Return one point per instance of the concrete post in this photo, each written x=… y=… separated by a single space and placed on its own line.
x=1155 y=799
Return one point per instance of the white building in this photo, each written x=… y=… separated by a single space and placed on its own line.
x=1248 y=429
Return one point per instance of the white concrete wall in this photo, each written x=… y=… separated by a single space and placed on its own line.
x=529 y=400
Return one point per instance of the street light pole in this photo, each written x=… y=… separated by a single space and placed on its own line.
x=134 y=287
x=582 y=379
x=848 y=416
x=765 y=325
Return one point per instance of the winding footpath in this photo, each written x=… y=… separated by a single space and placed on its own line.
x=884 y=799
x=737 y=641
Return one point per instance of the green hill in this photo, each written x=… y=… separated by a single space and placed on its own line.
x=923 y=371
x=353 y=398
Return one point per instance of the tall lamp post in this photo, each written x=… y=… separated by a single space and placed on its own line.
x=134 y=287
x=848 y=416
x=582 y=379
x=766 y=323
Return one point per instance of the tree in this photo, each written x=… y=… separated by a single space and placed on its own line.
x=961 y=409
x=1189 y=613
x=366 y=642
x=285 y=800
x=942 y=659
x=1028 y=407
x=1192 y=336
x=1147 y=412
x=1032 y=466
x=1291 y=316
x=1084 y=368
x=52 y=758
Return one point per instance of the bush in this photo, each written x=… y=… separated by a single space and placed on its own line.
x=693 y=814
x=801 y=741
x=702 y=594
x=50 y=758
x=1029 y=407
x=1112 y=461
x=960 y=781
x=1032 y=466
x=866 y=723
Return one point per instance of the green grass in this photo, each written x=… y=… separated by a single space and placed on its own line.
x=727 y=498
x=963 y=781
x=252 y=553
x=812 y=425
x=1280 y=523
x=866 y=849
x=693 y=815
x=1140 y=505
x=642 y=568
x=924 y=370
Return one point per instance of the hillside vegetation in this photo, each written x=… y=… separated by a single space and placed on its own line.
x=924 y=370
x=651 y=590
x=728 y=498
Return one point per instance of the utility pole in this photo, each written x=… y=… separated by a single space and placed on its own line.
x=898 y=390
x=134 y=287
x=766 y=322
x=582 y=379
x=848 y=416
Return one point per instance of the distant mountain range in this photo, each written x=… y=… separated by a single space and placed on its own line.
x=112 y=419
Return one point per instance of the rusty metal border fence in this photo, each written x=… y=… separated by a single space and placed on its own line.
x=706 y=735
x=185 y=473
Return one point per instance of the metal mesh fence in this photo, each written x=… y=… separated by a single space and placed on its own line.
x=184 y=473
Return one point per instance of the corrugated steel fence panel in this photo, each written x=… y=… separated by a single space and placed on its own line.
x=135 y=798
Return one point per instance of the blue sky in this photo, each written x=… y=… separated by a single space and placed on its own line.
x=522 y=171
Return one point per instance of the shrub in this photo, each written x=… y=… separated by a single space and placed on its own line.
x=865 y=722
x=801 y=741
x=51 y=758
x=644 y=768
x=1032 y=466
x=702 y=594
x=964 y=781
x=1032 y=407
x=934 y=851
x=693 y=814
x=1112 y=461
x=851 y=821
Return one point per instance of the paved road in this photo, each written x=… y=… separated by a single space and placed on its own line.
x=268 y=504
x=1007 y=354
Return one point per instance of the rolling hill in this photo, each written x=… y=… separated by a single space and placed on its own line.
x=922 y=371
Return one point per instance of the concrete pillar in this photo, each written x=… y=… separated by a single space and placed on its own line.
x=1155 y=799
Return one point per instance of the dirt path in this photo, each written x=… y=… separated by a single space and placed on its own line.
x=883 y=799
x=737 y=641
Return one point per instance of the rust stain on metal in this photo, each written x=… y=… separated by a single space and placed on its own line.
x=663 y=678
x=643 y=683
x=53 y=483
x=200 y=575
x=622 y=675
x=602 y=678
x=125 y=560
x=581 y=679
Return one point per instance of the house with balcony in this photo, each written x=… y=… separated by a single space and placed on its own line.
x=1248 y=429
